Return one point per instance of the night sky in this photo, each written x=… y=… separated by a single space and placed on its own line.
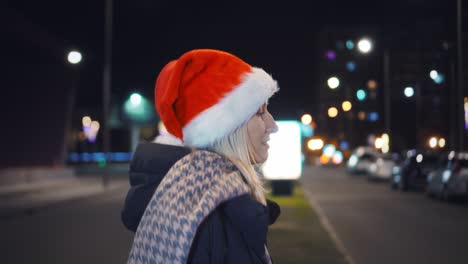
x=280 y=36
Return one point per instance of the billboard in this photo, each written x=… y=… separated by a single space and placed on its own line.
x=285 y=153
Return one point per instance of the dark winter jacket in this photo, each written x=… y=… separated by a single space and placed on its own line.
x=234 y=232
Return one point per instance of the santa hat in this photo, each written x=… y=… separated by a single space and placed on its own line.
x=206 y=94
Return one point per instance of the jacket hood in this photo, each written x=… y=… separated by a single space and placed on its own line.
x=149 y=165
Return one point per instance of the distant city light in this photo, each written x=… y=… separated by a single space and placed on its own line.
x=361 y=115
x=371 y=84
x=466 y=112
x=95 y=125
x=86 y=121
x=331 y=55
x=337 y=157
x=333 y=82
x=441 y=142
x=346 y=105
x=350 y=44
x=344 y=145
x=440 y=78
x=385 y=138
x=378 y=143
x=433 y=142
x=307 y=130
x=328 y=150
x=332 y=112
x=138 y=109
x=385 y=148
x=373 y=116
x=90 y=129
x=135 y=99
x=419 y=158
x=306 y=119
x=351 y=66
x=364 y=45
x=315 y=144
x=361 y=95
x=74 y=57
x=409 y=91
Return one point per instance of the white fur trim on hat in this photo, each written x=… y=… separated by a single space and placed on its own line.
x=168 y=139
x=231 y=111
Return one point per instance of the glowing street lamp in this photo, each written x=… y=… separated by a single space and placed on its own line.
x=409 y=91
x=333 y=82
x=74 y=57
x=365 y=45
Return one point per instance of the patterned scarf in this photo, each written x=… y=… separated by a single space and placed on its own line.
x=190 y=191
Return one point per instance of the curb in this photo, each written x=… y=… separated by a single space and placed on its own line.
x=328 y=227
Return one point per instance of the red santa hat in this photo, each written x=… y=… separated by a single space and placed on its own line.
x=206 y=94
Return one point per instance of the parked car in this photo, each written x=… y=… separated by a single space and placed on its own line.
x=451 y=179
x=382 y=168
x=360 y=160
x=413 y=171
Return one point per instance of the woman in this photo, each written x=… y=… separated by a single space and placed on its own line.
x=210 y=206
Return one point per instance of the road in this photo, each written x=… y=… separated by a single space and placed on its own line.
x=377 y=225
x=371 y=222
x=86 y=230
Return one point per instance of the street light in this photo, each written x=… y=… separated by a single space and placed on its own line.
x=333 y=82
x=74 y=57
x=365 y=45
x=409 y=91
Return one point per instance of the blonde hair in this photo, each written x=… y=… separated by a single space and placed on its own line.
x=236 y=148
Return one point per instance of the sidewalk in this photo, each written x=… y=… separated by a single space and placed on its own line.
x=25 y=197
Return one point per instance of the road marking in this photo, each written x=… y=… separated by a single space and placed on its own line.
x=328 y=227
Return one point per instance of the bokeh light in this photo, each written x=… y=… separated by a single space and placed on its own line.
x=333 y=82
x=365 y=45
x=346 y=106
x=332 y=112
x=331 y=55
x=361 y=95
x=409 y=91
x=351 y=66
x=74 y=57
x=306 y=119
x=371 y=84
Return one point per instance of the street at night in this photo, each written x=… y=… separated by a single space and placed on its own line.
x=165 y=117
x=379 y=225
x=373 y=224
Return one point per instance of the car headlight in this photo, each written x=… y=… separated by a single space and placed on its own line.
x=446 y=176
x=352 y=161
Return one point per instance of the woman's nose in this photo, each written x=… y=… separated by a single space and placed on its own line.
x=272 y=127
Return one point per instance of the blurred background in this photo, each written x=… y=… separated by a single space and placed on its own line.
x=378 y=88
x=359 y=68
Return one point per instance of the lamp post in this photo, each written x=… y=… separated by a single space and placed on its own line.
x=74 y=58
x=106 y=86
x=460 y=107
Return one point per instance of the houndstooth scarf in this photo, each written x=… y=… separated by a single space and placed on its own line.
x=192 y=188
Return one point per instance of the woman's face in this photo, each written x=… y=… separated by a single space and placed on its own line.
x=259 y=128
